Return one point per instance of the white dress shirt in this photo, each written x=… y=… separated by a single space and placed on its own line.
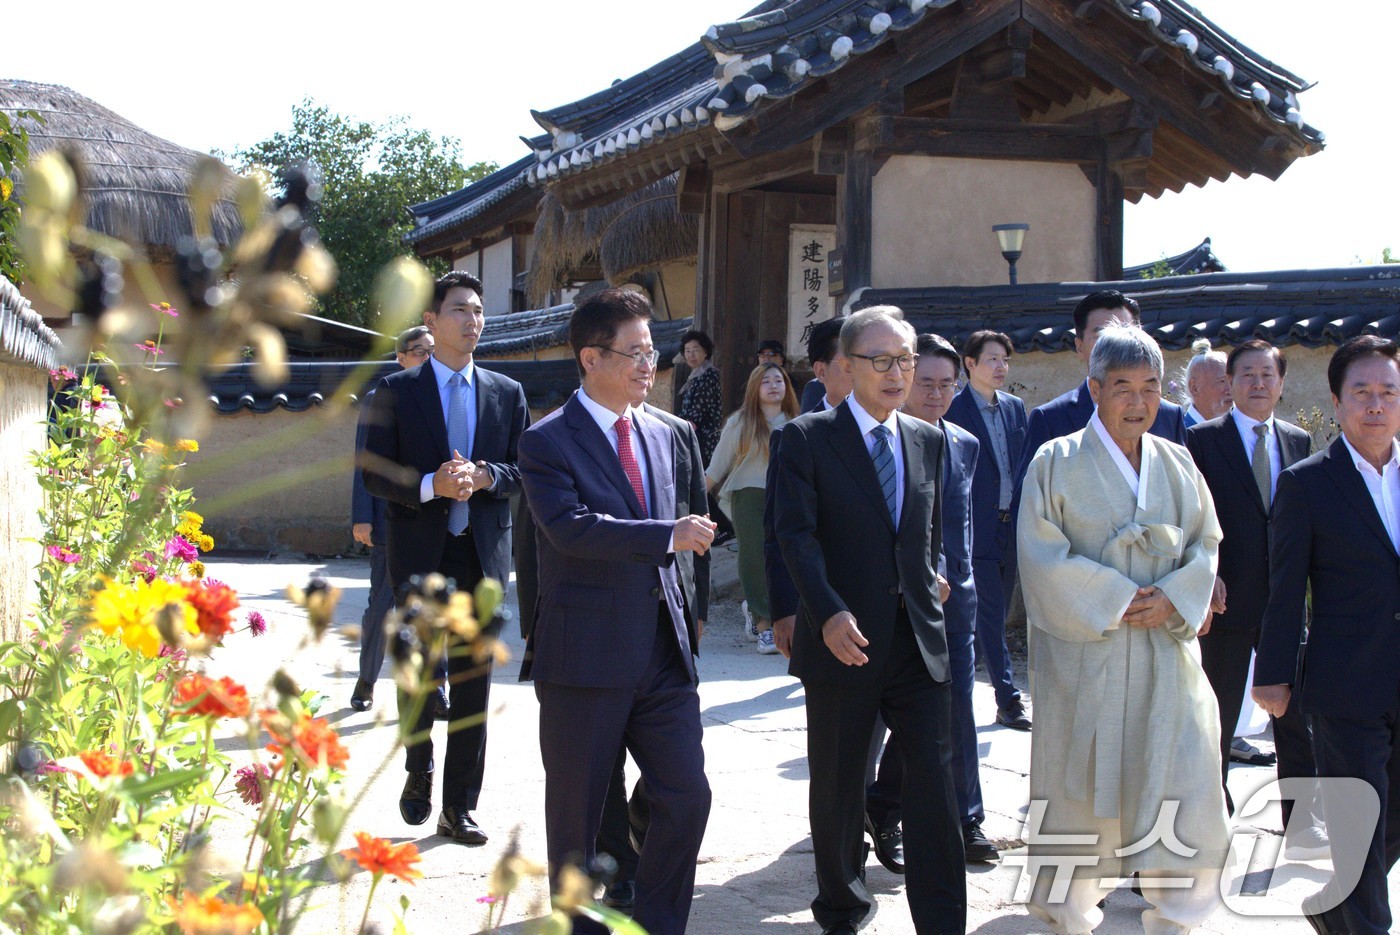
x=1125 y=467
x=1246 y=426
x=1383 y=487
x=867 y=424
x=443 y=374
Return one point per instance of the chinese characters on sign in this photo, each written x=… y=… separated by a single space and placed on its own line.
x=808 y=301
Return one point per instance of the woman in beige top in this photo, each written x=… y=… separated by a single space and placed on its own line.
x=739 y=469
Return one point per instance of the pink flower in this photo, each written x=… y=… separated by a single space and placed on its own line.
x=181 y=548
x=63 y=373
x=257 y=623
x=66 y=556
x=165 y=308
x=49 y=768
x=149 y=347
x=250 y=783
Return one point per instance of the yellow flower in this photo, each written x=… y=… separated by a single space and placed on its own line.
x=153 y=446
x=205 y=543
x=133 y=612
x=197 y=568
x=191 y=517
x=187 y=444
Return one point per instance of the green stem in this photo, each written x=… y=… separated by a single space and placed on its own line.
x=364 y=919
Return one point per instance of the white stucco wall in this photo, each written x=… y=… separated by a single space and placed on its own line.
x=933 y=220
x=497 y=271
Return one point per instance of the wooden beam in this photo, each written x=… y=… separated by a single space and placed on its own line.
x=692 y=189
x=919 y=52
x=980 y=139
x=1108 y=232
x=829 y=150
x=760 y=170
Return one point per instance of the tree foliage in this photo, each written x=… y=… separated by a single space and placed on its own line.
x=370 y=174
x=14 y=155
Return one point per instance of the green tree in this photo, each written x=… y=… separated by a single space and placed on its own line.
x=14 y=155
x=370 y=174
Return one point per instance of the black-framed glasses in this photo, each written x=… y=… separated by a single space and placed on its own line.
x=639 y=359
x=419 y=352
x=883 y=362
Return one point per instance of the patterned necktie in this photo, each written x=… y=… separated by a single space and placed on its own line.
x=1260 y=464
x=883 y=456
x=629 y=460
x=458 y=514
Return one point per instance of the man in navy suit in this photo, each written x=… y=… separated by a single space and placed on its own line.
x=1335 y=530
x=441 y=449
x=1070 y=412
x=935 y=385
x=1240 y=455
x=617 y=623
x=998 y=420
x=369 y=528
x=857 y=513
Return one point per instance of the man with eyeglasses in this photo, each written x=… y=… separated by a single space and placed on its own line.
x=998 y=419
x=623 y=591
x=412 y=347
x=771 y=352
x=858 y=518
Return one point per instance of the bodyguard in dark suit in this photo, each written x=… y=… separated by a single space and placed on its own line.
x=617 y=622
x=1335 y=529
x=441 y=449
x=1070 y=412
x=369 y=526
x=857 y=514
x=1240 y=456
x=998 y=420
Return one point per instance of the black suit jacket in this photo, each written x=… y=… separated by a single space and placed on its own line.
x=842 y=549
x=966 y=412
x=1219 y=454
x=406 y=437
x=1325 y=533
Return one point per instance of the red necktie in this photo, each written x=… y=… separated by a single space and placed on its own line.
x=629 y=460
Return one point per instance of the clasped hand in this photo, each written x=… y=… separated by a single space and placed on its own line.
x=1149 y=609
x=694 y=534
x=456 y=479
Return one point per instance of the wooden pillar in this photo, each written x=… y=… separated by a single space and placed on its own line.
x=854 y=207
x=1108 y=227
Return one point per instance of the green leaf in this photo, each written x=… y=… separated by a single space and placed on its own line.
x=140 y=787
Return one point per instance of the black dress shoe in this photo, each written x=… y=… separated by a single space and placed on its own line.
x=889 y=845
x=362 y=698
x=416 y=802
x=457 y=824
x=621 y=895
x=841 y=928
x=976 y=847
x=1014 y=718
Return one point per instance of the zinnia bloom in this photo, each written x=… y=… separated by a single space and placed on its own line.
x=198 y=694
x=165 y=308
x=181 y=548
x=379 y=856
x=66 y=556
x=186 y=444
x=149 y=347
x=250 y=783
x=104 y=764
x=313 y=742
x=132 y=611
x=210 y=915
x=214 y=603
x=197 y=568
x=257 y=623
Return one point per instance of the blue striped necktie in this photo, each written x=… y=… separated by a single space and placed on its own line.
x=883 y=456
x=458 y=514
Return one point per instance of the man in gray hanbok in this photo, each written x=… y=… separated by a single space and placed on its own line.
x=1117 y=542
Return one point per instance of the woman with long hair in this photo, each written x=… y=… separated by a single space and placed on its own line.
x=739 y=469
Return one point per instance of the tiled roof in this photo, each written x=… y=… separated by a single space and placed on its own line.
x=1307 y=307
x=1199 y=259
x=442 y=214
x=773 y=55
x=24 y=338
x=542 y=328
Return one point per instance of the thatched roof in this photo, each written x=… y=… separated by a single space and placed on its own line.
x=638 y=231
x=136 y=180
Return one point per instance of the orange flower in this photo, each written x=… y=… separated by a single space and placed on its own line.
x=104 y=764
x=197 y=694
x=379 y=856
x=214 y=602
x=210 y=915
x=313 y=741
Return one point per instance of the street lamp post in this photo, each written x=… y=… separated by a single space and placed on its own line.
x=1011 y=237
